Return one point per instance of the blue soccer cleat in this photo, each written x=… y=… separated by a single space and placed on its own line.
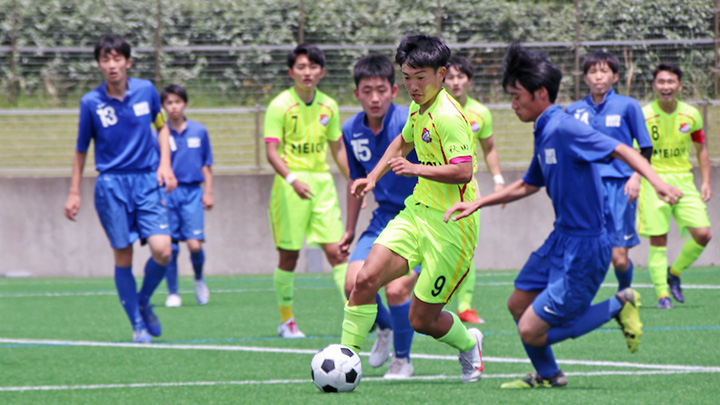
x=141 y=335
x=151 y=320
x=665 y=303
x=675 y=289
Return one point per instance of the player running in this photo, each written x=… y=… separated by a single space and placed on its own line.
x=440 y=135
x=621 y=118
x=457 y=82
x=674 y=127
x=300 y=124
x=192 y=164
x=367 y=135
x=554 y=290
x=118 y=116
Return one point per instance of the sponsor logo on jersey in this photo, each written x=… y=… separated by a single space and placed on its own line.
x=193 y=142
x=550 y=157
x=684 y=127
x=142 y=108
x=474 y=126
x=324 y=119
x=426 y=136
x=612 y=121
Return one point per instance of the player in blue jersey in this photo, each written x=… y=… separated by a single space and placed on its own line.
x=118 y=116
x=554 y=290
x=192 y=164
x=621 y=118
x=367 y=135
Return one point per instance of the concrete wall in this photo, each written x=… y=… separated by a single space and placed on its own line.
x=37 y=238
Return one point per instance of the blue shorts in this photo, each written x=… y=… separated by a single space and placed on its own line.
x=186 y=212
x=568 y=270
x=378 y=222
x=619 y=214
x=130 y=206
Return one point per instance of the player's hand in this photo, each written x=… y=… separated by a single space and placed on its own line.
x=166 y=177
x=360 y=187
x=402 y=167
x=632 y=187
x=302 y=189
x=72 y=206
x=345 y=242
x=208 y=201
x=706 y=192
x=363 y=205
x=669 y=194
x=499 y=187
x=465 y=208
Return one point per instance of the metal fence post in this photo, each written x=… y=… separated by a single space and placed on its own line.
x=715 y=46
x=13 y=90
x=706 y=104
x=438 y=18
x=301 y=23
x=257 y=137
x=576 y=69
x=158 y=44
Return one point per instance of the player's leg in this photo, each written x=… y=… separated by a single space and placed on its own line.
x=398 y=293
x=620 y=228
x=657 y=267
x=171 y=278
x=197 y=258
x=284 y=281
x=624 y=267
x=192 y=212
x=127 y=292
x=339 y=265
x=654 y=223
x=155 y=269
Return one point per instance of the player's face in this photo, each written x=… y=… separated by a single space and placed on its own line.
x=527 y=106
x=306 y=73
x=114 y=66
x=423 y=84
x=174 y=105
x=457 y=82
x=666 y=85
x=375 y=94
x=600 y=78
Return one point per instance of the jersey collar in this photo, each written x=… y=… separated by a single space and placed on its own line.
x=543 y=119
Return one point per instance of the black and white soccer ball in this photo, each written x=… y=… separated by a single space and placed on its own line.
x=336 y=368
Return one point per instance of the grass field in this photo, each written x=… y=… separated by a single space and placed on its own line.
x=67 y=341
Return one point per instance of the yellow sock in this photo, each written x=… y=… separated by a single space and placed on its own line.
x=285 y=313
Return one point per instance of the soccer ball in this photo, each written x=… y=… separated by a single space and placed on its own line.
x=336 y=368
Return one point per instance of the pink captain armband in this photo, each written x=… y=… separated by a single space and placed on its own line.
x=460 y=159
x=272 y=140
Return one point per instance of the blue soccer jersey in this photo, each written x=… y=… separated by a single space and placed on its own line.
x=121 y=129
x=618 y=117
x=190 y=151
x=564 y=150
x=365 y=150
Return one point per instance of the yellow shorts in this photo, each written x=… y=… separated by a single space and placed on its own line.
x=654 y=214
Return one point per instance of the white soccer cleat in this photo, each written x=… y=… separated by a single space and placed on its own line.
x=400 y=369
x=471 y=360
x=202 y=294
x=381 y=348
x=173 y=301
x=289 y=330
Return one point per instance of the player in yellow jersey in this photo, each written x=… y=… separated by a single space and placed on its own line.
x=675 y=127
x=457 y=82
x=300 y=124
x=440 y=134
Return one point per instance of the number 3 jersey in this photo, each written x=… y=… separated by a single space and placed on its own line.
x=364 y=150
x=122 y=131
x=672 y=136
x=302 y=130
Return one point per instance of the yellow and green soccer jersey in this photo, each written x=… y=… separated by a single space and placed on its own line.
x=303 y=130
x=441 y=136
x=480 y=123
x=673 y=136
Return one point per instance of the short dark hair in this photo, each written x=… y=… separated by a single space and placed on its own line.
x=421 y=51
x=174 y=89
x=312 y=51
x=461 y=64
x=374 y=65
x=668 y=67
x=594 y=58
x=532 y=69
x=109 y=43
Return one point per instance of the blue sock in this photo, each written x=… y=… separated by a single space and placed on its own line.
x=127 y=292
x=382 y=319
x=154 y=274
x=593 y=318
x=543 y=359
x=402 y=331
x=171 y=276
x=198 y=260
x=625 y=277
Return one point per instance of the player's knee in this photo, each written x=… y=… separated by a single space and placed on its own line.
x=621 y=263
x=366 y=284
x=703 y=237
x=420 y=324
x=515 y=310
x=529 y=336
x=162 y=256
x=396 y=294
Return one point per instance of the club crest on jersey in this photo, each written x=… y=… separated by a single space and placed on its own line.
x=426 y=136
x=684 y=127
x=474 y=126
x=324 y=119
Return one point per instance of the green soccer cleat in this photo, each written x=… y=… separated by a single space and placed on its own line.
x=534 y=380
x=629 y=317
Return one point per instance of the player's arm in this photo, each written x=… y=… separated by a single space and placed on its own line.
x=638 y=163
x=492 y=161
x=513 y=192
x=340 y=156
x=165 y=174
x=703 y=158
x=208 y=200
x=397 y=149
x=351 y=216
x=276 y=161
x=636 y=122
x=72 y=203
x=454 y=173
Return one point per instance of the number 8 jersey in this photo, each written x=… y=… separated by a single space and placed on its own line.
x=672 y=136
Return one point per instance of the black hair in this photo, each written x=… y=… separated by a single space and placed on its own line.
x=374 y=65
x=594 y=58
x=421 y=51
x=532 y=69
x=174 y=89
x=312 y=51
x=461 y=64
x=109 y=43
x=668 y=67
